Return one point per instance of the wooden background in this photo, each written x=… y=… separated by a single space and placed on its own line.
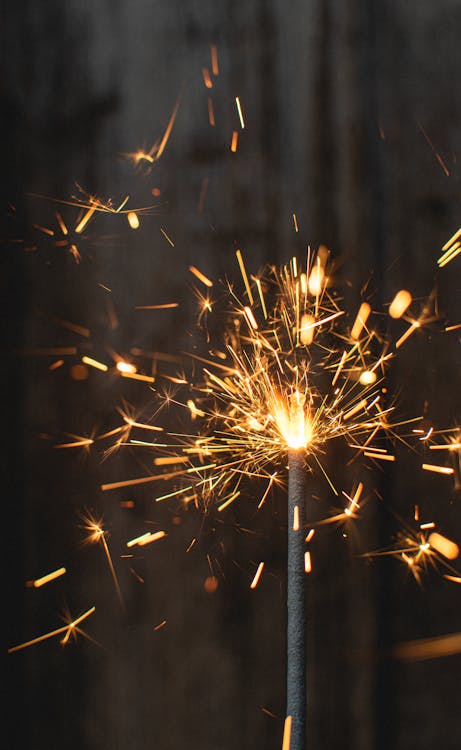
x=337 y=96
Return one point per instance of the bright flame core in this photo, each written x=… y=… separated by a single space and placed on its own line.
x=292 y=420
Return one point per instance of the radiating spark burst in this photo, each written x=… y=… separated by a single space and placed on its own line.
x=68 y=631
x=420 y=552
x=96 y=534
x=289 y=375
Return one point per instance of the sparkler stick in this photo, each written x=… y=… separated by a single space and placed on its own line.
x=296 y=615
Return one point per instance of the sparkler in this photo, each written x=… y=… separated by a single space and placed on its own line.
x=289 y=374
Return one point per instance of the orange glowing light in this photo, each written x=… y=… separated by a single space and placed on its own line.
x=360 y=321
x=48 y=578
x=133 y=220
x=234 y=141
x=200 y=276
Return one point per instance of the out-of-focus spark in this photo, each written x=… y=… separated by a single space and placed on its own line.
x=234 y=141
x=201 y=276
x=257 y=576
x=379 y=456
x=450 y=250
x=295 y=223
x=133 y=220
x=444 y=546
x=214 y=60
x=125 y=367
x=400 y=304
x=240 y=113
x=56 y=365
x=307 y=562
x=360 y=321
x=138 y=376
x=211 y=117
x=160 y=625
x=429 y=648
x=207 y=78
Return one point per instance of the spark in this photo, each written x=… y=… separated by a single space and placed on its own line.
x=166 y=306
x=234 y=141
x=168 y=239
x=257 y=576
x=438 y=469
x=444 y=546
x=211 y=117
x=201 y=276
x=207 y=78
x=295 y=223
x=70 y=629
x=240 y=113
x=286 y=742
x=96 y=534
x=307 y=562
x=400 y=304
x=94 y=363
x=48 y=578
x=147 y=538
x=214 y=60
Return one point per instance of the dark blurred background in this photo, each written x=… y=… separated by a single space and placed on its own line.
x=352 y=114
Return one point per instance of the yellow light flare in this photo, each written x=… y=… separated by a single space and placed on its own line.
x=240 y=113
x=361 y=320
x=257 y=576
x=39 y=582
x=444 y=546
x=94 y=363
x=400 y=304
x=286 y=742
x=234 y=141
x=214 y=60
x=307 y=562
x=138 y=376
x=207 y=78
x=201 y=276
x=425 y=526
x=449 y=255
x=295 y=224
x=309 y=535
x=133 y=219
x=438 y=469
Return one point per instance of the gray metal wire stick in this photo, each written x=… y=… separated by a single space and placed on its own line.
x=296 y=608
